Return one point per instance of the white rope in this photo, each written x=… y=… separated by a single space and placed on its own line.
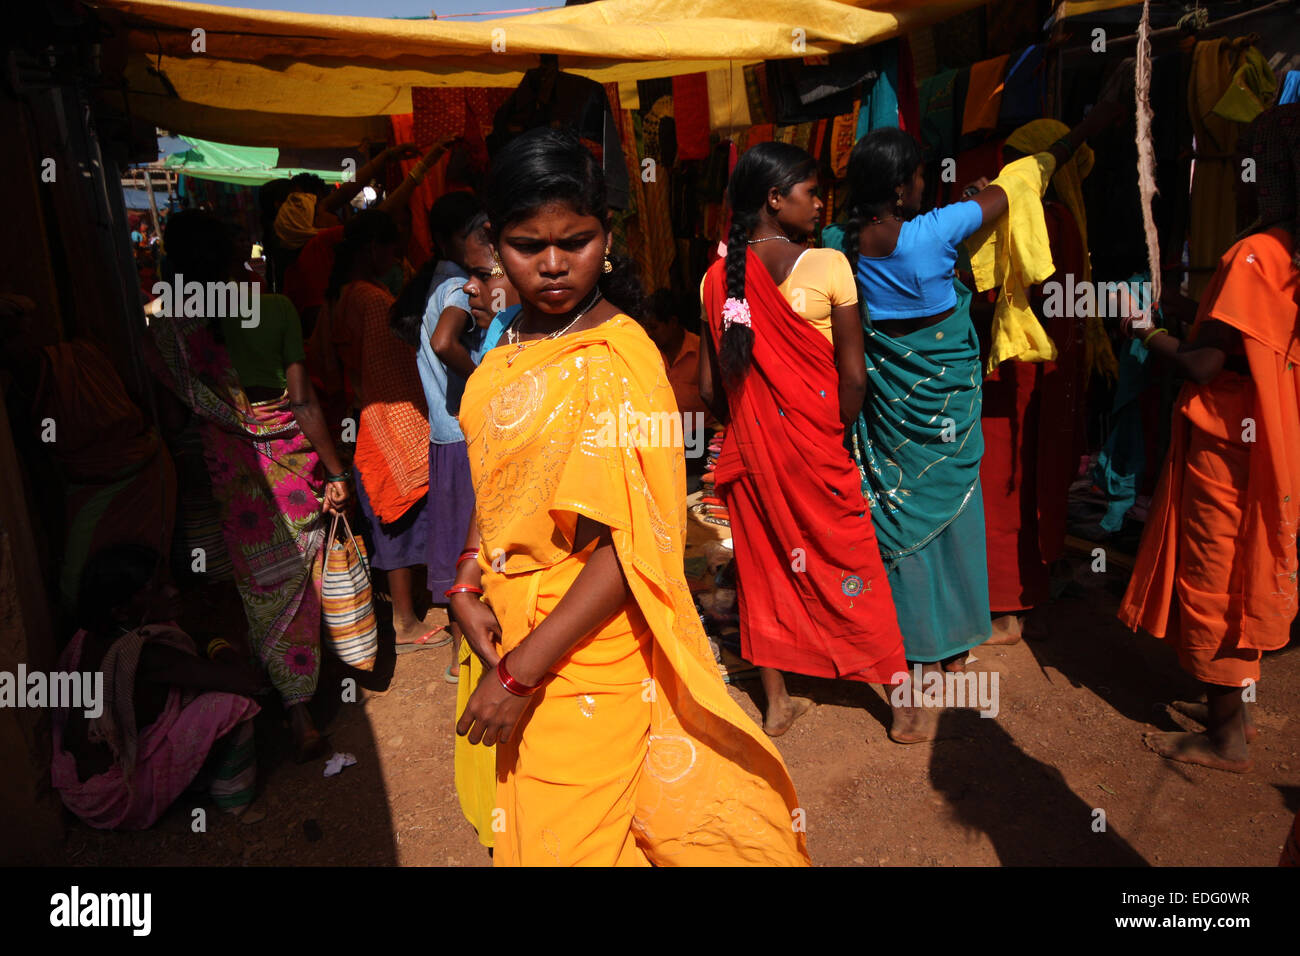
x=1146 y=166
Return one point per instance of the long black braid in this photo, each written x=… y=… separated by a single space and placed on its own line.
x=760 y=170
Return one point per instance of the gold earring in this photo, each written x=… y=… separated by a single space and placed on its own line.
x=609 y=266
x=496 y=272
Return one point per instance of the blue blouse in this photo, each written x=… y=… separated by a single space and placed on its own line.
x=915 y=280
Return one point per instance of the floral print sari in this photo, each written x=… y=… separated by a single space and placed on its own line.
x=269 y=483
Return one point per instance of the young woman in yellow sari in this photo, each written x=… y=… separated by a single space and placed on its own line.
x=617 y=743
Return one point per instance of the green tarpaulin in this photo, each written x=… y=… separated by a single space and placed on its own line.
x=241 y=165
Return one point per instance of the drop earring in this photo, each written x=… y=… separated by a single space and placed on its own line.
x=608 y=266
x=496 y=272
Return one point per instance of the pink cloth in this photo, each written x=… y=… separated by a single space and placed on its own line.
x=169 y=755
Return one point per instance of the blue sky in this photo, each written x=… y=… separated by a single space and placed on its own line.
x=385 y=8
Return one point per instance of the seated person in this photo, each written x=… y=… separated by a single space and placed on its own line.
x=165 y=713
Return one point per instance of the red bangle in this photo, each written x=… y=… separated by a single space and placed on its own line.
x=512 y=685
x=465 y=556
x=462 y=589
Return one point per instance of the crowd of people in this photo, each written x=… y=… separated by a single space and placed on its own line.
x=455 y=412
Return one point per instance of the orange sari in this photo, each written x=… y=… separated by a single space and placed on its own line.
x=1216 y=573
x=632 y=753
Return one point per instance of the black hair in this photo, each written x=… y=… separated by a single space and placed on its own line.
x=270 y=197
x=479 y=229
x=200 y=247
x=544 y=166
x=880 y=162
x=454 y=214
x=661 y=305
x=310 y=183
x=364 y=229
x=760 y=170
x=111 y=578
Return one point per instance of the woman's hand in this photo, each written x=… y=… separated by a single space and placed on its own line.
x=338 y=496
x=491 y=714
x=1135 y=322
x=401 y=151
x=479 y=625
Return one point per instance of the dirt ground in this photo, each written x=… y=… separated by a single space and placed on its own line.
x=1019 y=789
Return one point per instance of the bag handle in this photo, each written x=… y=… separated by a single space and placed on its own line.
x=333 y=536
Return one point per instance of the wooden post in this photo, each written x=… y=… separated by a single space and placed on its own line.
x=153 y=206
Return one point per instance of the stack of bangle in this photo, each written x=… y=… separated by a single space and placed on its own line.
x=510 y=684
x=1151 y=335
x=344 y=475
x=218 y=644
x=465 y=556
x=461 y=589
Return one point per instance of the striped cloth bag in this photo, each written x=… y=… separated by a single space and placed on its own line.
x=350 y=628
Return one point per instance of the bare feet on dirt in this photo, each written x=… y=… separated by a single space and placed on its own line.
x=1199 y=711
x=1007 y=629
x=914 y=724
x=782 y=715
x=1196 y=749
x=307 y=740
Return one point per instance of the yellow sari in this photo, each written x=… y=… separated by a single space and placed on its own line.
x=632 y=753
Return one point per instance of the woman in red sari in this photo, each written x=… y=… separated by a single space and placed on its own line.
x=784 y=365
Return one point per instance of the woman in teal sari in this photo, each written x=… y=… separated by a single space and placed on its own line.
x=918 y=441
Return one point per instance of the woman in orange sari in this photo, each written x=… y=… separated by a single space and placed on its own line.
x=617 y=743
x=1216 y=574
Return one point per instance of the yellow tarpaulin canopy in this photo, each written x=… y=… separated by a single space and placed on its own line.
x=1081 y=8
x=258 y=77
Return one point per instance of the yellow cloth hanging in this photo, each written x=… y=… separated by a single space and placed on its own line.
x=1037 y=137
x=1013 y=254
x=1218 y=65
x=1250 y=91
x=728 y=102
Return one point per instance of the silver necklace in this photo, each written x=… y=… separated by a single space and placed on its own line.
x=770 y=238
x=512 y=334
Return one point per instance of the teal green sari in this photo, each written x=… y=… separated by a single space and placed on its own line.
x=918 y=445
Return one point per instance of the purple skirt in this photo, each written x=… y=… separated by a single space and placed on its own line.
x=402 y=544
x=451 y=505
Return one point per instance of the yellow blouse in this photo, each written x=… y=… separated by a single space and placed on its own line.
x=820 y=281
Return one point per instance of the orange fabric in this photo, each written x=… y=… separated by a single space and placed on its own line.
x=633 y=752
x=684 y=376
x=1222 y=533
x=984 y=95
x=101 y=433
x=1208 y=585
x=392 y=454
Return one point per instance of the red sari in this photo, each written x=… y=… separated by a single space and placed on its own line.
x=814 y=598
